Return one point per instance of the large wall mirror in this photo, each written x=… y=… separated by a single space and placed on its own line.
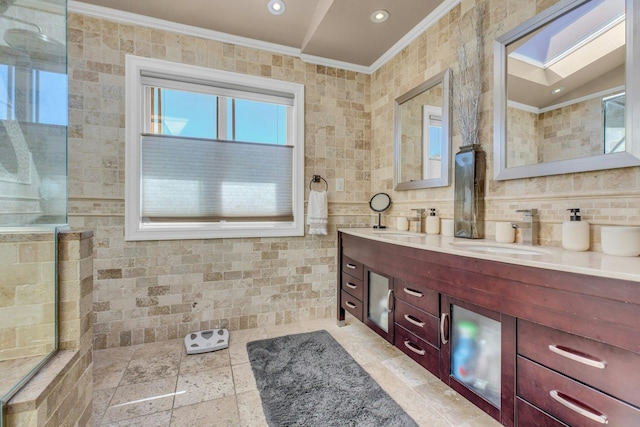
x=422 y=135
x=566 y=91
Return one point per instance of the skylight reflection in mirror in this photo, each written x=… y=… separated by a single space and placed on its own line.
x=571 y=31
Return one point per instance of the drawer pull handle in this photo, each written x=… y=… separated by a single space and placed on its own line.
x=349 y=304
x=413 y=293
x=576 y=356
x=351 y=285
x=578 y=407
x=413 y=320
x=351 y=266
x=413 y=348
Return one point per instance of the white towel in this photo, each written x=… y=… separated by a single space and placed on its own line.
x=317 y=212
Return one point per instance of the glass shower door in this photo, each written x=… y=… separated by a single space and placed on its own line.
x=33 y=183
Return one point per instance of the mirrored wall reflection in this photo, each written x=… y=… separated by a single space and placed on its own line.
x=33 y=112
x=566 y=87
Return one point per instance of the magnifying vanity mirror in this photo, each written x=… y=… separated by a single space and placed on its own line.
x=379 y=203
x=566 y=91
x=422 y=135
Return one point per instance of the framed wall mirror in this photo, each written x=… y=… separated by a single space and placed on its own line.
x=566 y=94
x=422 y=133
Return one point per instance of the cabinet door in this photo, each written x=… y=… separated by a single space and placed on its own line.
x=378 y=303
x=478 y=356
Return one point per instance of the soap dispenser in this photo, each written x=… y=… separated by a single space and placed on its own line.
x=433 y=222
x=575 y=233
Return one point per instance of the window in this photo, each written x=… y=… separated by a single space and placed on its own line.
x=211 y=153
x=41 y=95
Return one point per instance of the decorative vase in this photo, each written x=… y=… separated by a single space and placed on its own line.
x=468 y=212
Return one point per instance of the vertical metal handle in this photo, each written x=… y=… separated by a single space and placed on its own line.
x=576 y=356
x=443 y=340
x=578 y=407
x=390 y=306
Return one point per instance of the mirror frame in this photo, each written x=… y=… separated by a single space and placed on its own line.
x=445 y=157
x=631 y=157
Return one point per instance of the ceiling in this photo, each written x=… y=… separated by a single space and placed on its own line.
x=331 y=30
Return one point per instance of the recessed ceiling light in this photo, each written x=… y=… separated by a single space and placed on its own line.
x=379 y=16
x=557 y=90
x=276 y=7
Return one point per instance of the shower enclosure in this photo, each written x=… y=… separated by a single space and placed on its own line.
x=33 y=183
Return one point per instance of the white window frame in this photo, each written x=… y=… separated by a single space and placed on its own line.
x=135 y=228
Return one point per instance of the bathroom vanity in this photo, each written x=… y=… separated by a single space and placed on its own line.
x=536 y=336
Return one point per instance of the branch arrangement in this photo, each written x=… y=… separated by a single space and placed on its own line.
x=469 y=87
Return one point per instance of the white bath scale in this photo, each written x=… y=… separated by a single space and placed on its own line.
x=204 y=341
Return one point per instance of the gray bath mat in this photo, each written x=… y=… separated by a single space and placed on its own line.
x=310 y=380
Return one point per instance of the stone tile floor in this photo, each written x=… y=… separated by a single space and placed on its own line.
x=158 y=384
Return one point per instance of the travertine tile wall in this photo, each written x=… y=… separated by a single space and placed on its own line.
x=27 y=295
x=61 y=393
x=523 y=137
x=605 y=197
x=150 y=291
x=153 y=291
x=571 y=132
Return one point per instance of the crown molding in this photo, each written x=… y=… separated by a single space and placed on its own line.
x=161 y=24
x=82 y=8
x=319 y=60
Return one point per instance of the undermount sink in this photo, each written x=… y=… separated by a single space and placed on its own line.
x=395 y=234
x=497 y=249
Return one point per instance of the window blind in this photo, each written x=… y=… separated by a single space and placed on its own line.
x=211 y=180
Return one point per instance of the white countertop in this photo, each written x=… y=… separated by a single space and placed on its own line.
x=553 y=258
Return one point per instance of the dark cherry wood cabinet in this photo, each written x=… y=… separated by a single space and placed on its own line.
x=491 y=387
x=569 y=343
x=416 y=318
x=377 y=312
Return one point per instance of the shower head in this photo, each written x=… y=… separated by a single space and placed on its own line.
x=4 y=5
x=32 y=42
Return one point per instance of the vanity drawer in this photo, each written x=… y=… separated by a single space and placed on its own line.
x=610 y=369
x=353 y=286
x=418 y=296
x=570 y=401
x=419 y=322
x=419 y=350
x=352 y=305
x=352 y=267
x=530 y=416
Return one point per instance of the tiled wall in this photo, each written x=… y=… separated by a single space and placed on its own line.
x=571 y=132
x=27 y=295
x=523 y=137
x=604 y=197
x=153 y=291
x=61 y=393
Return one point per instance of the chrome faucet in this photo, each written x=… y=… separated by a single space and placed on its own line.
x=529 y=227
x=420 y=213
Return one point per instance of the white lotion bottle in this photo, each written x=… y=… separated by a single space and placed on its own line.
x=433 y=222
x=575 y=233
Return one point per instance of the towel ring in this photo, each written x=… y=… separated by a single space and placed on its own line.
x=317 y=178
